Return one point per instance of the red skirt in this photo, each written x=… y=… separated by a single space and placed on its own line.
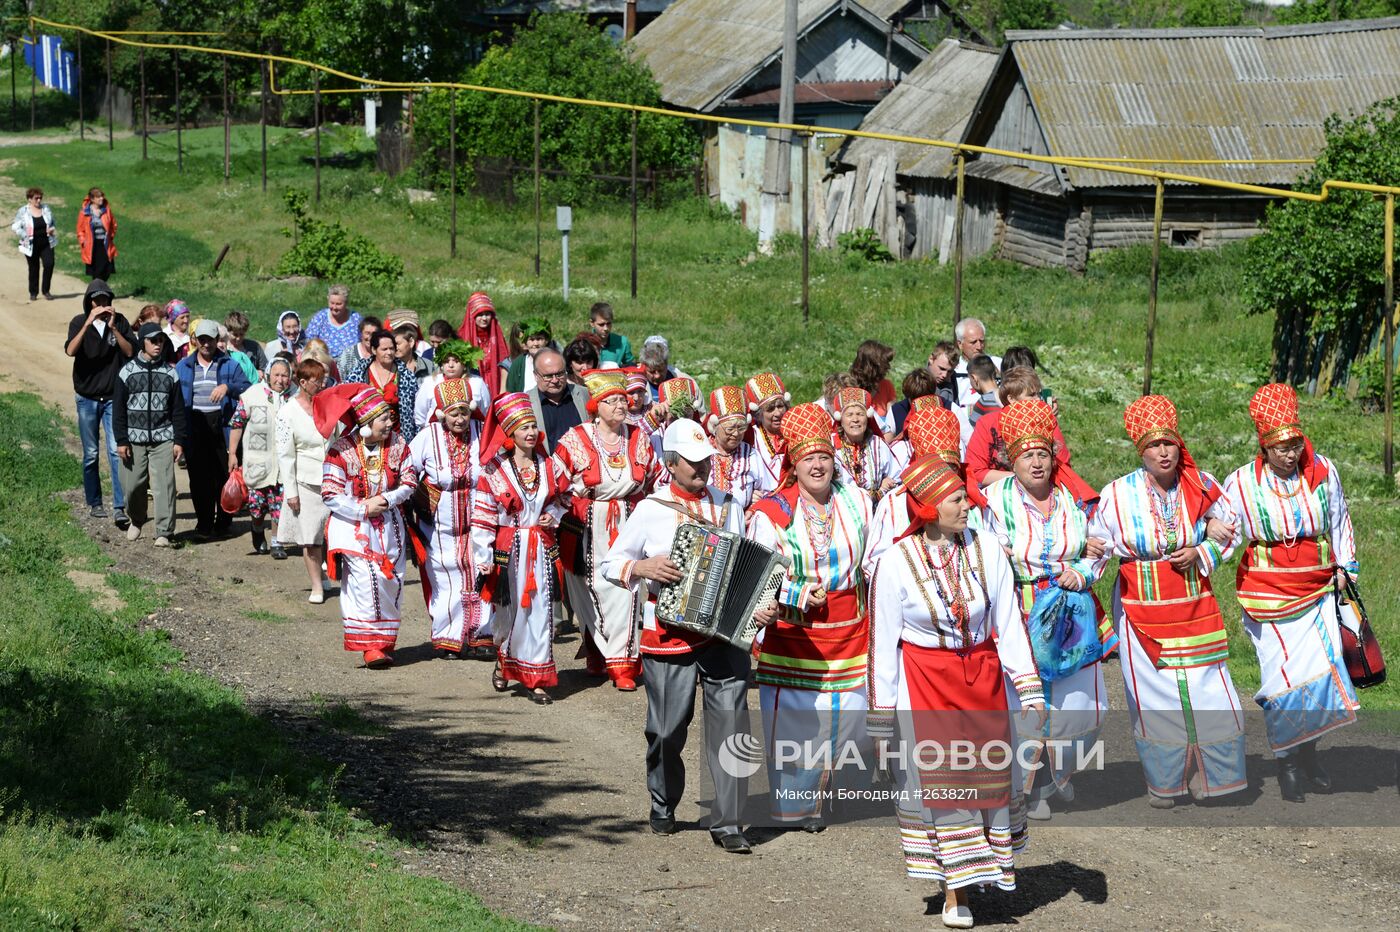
x=957 y=700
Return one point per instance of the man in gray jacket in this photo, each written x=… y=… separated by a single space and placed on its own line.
x=559 y=404
x=148 y=423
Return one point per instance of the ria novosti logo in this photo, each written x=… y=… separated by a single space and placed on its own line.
x=740 y=755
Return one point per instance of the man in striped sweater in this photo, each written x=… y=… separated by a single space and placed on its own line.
x=148 y=423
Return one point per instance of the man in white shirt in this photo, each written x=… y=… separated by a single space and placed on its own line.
x=673 y=657
x=971 y=336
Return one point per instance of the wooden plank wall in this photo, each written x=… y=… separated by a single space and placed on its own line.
x=1034 y=229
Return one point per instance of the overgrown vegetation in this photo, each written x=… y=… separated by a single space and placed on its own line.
x=330 y=251
x=565 y=55
x=864 y=244
x=136 y=794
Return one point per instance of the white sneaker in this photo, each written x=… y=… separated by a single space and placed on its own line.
x=1039 y=810
x=133 y=532
x=959 y=917
x=316 y=598
x=162 y=542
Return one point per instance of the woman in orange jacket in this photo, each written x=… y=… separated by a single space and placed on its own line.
x=97 y=235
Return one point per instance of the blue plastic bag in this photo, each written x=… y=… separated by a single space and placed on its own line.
x=1064 y=632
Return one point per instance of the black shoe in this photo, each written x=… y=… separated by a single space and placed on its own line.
x=202 y=532
x=98 y=511
x=445 y=654
x=662 y=825
x=733 y=842
x=813 y=826
x=260 y=542
x=1290 y=779
x=1307 y=757
x=121 y=520
x=222 y=529
x=278 y=551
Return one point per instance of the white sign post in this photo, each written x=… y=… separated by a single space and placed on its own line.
x=564 y=220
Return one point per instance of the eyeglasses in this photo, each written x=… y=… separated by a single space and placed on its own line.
x=549 y=375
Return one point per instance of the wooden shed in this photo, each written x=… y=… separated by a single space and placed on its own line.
x=905 y=191
x=1259 y=95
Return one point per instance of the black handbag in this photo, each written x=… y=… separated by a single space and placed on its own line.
x=1360 y=650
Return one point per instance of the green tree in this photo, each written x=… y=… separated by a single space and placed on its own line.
x=564 y=55
x=1322 y=11
x=1317 y=267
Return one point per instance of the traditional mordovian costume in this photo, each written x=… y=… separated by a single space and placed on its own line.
x=448 y=467
x=946 y=633
x=1042 y=547
x=1185 y=712
x=769 y=447
x=811 y=666
x=738 y=473
x=366 y=554
x=1295 y=533
x=509 y=541
x=489 y=339
x=865 y=465
x=606 y=480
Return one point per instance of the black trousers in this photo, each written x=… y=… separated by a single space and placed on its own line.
x=101 y=265
x=36 y=260
x=206 y=462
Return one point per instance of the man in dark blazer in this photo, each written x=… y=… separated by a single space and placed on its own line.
x=558 y=403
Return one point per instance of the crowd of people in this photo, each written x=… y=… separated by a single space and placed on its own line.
x=935 y=537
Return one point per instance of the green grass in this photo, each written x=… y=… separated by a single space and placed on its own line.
x=344 y=717
x=265 y=616
x=137 y=794
x=728 y=318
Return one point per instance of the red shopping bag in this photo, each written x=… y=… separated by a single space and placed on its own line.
x=235 y=493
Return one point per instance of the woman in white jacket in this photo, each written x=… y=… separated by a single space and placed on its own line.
x=38 y=239
x=301 y=451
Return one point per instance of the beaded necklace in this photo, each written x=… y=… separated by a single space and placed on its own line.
x=1166 y=516
x=854 y=457
x=1290 y=492
x=610 y=455
x=818 y=522
x=527 y=477
x=1034 y=510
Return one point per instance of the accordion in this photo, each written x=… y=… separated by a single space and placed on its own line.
x=726 y=579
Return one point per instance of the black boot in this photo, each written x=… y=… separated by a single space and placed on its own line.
x=259 y=540
x=1290 y=779
x=1307 y=757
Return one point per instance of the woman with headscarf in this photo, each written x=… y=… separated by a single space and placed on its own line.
x=254 y=423
x=177 y=327
x=609 y=466
x=446 y=455
x=768 y=401
x=1167 y=522
x=520 y=499
x=945 y=637
x=290 y=337
x=1041 y=514
x=1299 y=552
x=365 y=482
x=734 y=467
x=862 y=455
x=811 y=667
x=481 y=329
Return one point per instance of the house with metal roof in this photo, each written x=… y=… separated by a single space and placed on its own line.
x=902 y=190
x=1253 y=100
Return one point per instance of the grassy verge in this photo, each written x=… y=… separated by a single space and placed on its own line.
x=728 y=317
x=136 y=794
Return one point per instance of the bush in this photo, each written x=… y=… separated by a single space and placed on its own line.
x=559 y=54
x=864 y=243
x=328 y=250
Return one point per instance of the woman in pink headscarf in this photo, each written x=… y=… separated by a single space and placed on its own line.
x=481 y=329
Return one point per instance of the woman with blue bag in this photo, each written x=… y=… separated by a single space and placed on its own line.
x=1041 y=514
x=1171 y=527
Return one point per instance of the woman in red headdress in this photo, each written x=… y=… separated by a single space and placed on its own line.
x=609 y=467
x=1041 y=513
x=862 y=455
x=1299 y=550
x=811 y=668
x=365 y=480
x=1169 y=525
x=481 y=329
x=945 y=636
x=446 y=454
x=520 y=499
x=768 y=404
x=736 y=468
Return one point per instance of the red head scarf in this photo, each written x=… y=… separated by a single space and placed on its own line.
x=490 y=340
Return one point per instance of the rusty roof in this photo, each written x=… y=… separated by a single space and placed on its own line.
x=934 y=101
x=1223 y=93
x=702 y=50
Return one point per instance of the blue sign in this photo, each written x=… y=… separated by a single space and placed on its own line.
x=54 y=67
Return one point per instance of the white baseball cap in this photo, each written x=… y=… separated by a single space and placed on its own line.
x=687 y=438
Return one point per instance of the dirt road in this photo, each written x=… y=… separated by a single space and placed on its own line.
x=541 y=810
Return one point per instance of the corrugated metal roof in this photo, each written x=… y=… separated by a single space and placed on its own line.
x=1229 y=93
x=934 y=101
x=700 y=49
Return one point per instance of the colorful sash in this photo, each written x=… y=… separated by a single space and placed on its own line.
x=826 y=651
x=1174 y=615
x=1278 y=582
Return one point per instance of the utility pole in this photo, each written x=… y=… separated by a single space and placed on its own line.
x=777 y=164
